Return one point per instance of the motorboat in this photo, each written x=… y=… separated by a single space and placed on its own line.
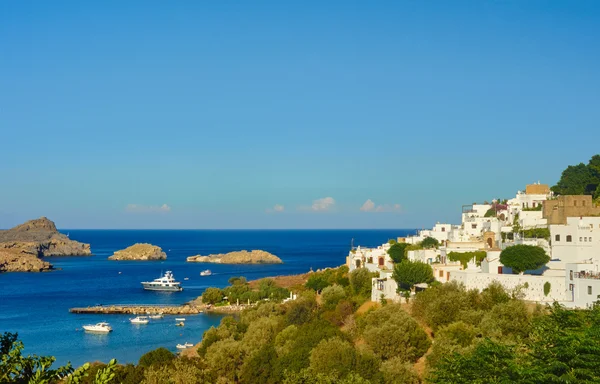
x=189 y=345
x=181 y=346
x=180 y=319
x=139 y=320
x=98 y=328
x=165 y=283
x=157 y=316
x=186 y=278
x=206 y=272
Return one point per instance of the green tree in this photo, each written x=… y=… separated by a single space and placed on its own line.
x=261 y=367
x=507 y=321
x=430 y=242
x=398 y=371
x=212 y=296
x=397 y=252
x=457 y=337
x=224 y=358
x=522 y=257
x=159 y=356
x=360 y=282
x=332 y=295
x=334 y=357
x=390 y=332
x=579 y=179
x=408 y=273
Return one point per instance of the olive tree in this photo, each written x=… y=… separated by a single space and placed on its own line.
x=408 y=273
x=523 y=257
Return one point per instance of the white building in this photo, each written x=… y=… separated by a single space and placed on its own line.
x=577 y=241
x=583 y=281
x=374 y=259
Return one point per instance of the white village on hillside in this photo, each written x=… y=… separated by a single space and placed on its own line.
x=570 y=228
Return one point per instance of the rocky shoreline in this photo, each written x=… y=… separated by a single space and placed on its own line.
x=238 y=257
x=185 y=309
x=22 y=247
x=140 y=251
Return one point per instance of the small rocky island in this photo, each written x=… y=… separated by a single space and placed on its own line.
x=22 y=247
x=140 y=251
x=238 y=257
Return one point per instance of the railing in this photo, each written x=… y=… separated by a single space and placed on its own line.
x=587 y=275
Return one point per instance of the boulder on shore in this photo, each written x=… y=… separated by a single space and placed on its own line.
x=22 y=247
x=238 y=257
x=140 y=251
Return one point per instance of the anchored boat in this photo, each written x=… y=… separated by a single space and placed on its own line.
x=165 y=283
x=98 y=328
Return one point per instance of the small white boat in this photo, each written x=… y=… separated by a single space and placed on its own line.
x=157 y=316
x=180 y=319
x=98 y=328
x=206 y=272
x=188 y=345
x=181 y=346
x=139 y=320
x=186 y=278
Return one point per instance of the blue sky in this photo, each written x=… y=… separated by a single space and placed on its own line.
x=212 y=114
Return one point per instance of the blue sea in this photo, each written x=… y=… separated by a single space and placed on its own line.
x=36 y=305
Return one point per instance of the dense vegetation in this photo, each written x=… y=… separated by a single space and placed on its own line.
x=447 y=334
x=581 y=179
x=465 y=257
x=522 y=257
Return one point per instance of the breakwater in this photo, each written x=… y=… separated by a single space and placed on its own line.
x=155 y=309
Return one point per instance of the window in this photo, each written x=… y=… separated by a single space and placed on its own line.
x=441 y=273
x=443 y=229
x=589 y=289
x=583 y=203
x=557 y=237
x=370 y=260
x=574 y=203
x=570 y=275
x=585 y=239
x=569 y=238
x=571 y=287
x=580 y=239
x=380 y=285
x=474 y=226
x=381 y=261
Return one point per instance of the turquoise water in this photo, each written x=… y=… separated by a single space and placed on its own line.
x=36 y=304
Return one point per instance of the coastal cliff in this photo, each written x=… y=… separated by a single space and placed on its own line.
x=238 y=257
x=140 y=251
x=22 y=247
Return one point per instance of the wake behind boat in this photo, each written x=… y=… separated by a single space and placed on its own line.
x=165 y=283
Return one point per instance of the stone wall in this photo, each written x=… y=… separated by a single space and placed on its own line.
x=556 y=211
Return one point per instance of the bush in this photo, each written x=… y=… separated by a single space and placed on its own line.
x=225 y=358
x=430 y=242
x=547 y=287
x=398 y=371
x=332 y=295
x=409 y=273
x=442 y=305
x=261 y=367
x=509 y=320
x=390 y=332
x=360 y=282
x=333 y=356
x=397 y=252
x=212 y=296
x=536 y=233
x=159 y=356
x=465 y=257
x=524 y=257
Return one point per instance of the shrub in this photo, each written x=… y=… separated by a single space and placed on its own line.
x=159 y=356
x=409 y=273
x=212 y=296
x=224 y=358
x=442 y=305
x=397 y=252
x=430 y=242
x=389 y=331
x=332 y=295
x=524 y=257
x=360 y=282
x=261 y=367
x=398 y=371
x=333 y=356
x=465 y=257
x=547 y=287
x=509 y=320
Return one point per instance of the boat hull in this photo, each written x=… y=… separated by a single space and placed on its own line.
x=154 y=287
x=96 y=330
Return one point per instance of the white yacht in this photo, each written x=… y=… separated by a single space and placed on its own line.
x=157 y=316
x=165 y=283
x=189 y=345
x=139 y=320
x=181 y=346
x=206 y=272
x=98 y=328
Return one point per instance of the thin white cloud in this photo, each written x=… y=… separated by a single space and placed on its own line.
x=324 y=204
x=139 y=208
x=370 y=206
x=276 y=209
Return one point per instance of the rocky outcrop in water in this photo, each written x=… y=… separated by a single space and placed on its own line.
x=140 y=251
x=22 y=247
x=238 y=257
x=16 y=260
